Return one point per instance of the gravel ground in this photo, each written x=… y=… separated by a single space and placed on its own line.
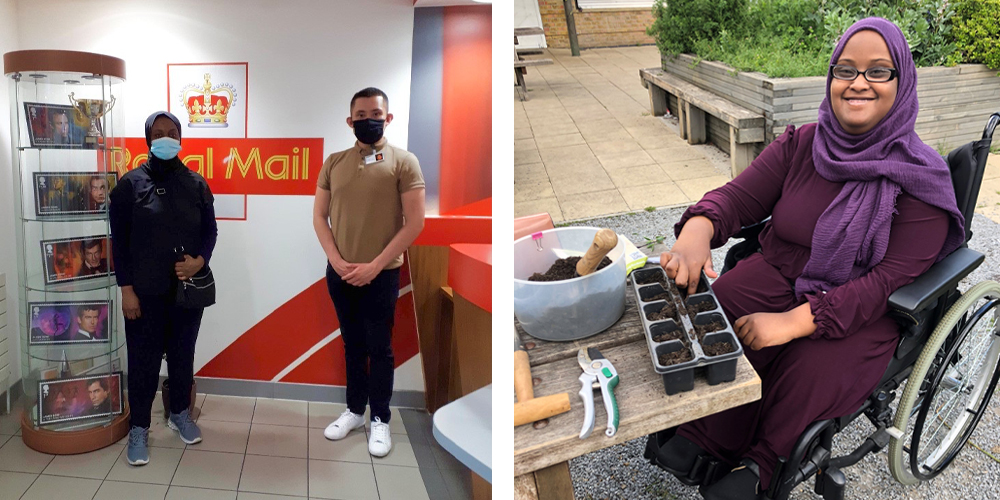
x=621 y=472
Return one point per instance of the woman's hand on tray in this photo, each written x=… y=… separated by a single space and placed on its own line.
x=690 y=254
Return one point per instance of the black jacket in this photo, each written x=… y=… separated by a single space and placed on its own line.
x=160 y=206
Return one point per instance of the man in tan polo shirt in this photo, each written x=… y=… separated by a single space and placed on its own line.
x=369 y=208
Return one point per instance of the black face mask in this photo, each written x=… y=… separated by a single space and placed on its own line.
x=369 y=130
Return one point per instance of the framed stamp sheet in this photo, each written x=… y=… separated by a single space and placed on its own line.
x=79 y=398
x=53 y=126
x=73 y=259
x=70 y=322
x=72 y=193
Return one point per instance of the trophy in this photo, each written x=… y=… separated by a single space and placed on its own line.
x=88 y=111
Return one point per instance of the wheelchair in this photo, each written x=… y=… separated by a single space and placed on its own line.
x=948 y=355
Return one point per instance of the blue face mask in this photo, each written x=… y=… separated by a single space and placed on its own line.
x=165 y=148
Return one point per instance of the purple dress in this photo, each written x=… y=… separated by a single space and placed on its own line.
x=830 y=373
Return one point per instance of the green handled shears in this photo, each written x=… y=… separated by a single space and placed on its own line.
x=598 y=372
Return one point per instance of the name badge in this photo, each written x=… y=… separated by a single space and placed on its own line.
x=374 y=158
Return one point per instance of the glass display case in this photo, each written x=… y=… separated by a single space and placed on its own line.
x=67 y=129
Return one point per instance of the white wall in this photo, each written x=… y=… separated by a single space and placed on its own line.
x=8 y=259
x=306 y=59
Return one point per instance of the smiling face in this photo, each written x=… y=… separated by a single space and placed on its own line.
x=859 y=105
x=93 y=256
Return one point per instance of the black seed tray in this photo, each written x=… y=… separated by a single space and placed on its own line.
x=680 y=377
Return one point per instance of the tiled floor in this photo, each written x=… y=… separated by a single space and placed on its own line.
x=585 y=144
x=253 y=449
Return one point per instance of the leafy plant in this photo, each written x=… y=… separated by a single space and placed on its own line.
x=652 y=242
x=977 y=32
x=789 y=38
x=677 y=24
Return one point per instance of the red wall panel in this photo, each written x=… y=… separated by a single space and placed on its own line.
x=466 y=106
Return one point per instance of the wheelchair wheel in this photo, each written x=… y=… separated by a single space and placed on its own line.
x=949 y=388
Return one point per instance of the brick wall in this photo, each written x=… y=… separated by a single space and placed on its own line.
x=600 y=28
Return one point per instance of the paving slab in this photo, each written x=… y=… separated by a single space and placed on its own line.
x=585 y=135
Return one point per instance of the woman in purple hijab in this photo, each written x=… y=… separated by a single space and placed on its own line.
x=859 y=207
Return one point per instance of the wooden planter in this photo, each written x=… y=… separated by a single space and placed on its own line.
x=954 y=102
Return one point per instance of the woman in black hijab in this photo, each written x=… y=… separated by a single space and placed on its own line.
x=163 y=230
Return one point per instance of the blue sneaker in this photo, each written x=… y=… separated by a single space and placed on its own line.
x=138 y=446
x=182 y=423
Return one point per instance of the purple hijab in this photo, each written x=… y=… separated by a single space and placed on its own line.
x=851 y=236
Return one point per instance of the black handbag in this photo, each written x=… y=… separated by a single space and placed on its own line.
x=197 y=291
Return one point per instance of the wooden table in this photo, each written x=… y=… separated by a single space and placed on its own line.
x=541 y=456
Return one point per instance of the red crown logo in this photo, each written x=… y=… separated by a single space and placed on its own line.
x=208 y=106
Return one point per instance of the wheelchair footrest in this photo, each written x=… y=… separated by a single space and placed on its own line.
x=830 y=483
x=706 y=469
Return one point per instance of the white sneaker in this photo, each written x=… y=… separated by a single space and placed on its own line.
x=380 y=442
x=344 y=424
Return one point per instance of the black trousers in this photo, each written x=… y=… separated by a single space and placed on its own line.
x=162 y=327
x=366 y=316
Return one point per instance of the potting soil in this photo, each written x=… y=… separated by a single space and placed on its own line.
x=713 y=326
x=718 y=348
x=676 y=357
x=670 y=335
x=565 y=269
x=666 y=312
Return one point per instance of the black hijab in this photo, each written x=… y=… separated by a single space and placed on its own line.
x=155 y=163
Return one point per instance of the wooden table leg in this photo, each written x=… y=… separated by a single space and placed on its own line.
x=554 y=482
x=481 y=489
x=524 y=487
x=519 y=74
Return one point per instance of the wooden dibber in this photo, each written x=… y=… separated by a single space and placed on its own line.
x=529 y=409
x=522 y=376
x=533 y=410
x=604 y=241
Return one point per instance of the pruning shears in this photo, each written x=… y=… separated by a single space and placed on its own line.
x=598 y=372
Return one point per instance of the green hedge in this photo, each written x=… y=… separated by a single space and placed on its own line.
x=977 y=31
x=788 y=38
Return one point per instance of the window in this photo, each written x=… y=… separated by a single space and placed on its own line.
x=614 y=4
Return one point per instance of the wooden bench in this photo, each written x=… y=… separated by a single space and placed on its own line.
x=519 y=72
x=521 y=64
x=746 y=128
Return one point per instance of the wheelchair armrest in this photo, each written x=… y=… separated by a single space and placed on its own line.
x=909 y=300
x=751 y=231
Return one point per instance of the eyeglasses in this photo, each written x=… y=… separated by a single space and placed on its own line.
x=877 y=75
